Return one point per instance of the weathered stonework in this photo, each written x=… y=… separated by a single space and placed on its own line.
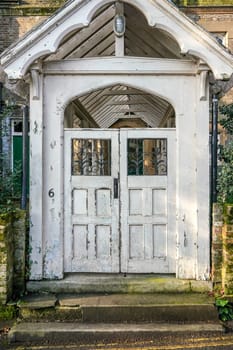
x=222 y=248
x=217 y=249
x=19 y=227
x=12 y=255
x=6 y=258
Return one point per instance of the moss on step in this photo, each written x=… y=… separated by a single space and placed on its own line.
x=51 y=314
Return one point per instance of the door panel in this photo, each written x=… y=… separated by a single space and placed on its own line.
x=92 y=212
x=147 y=201
x=126 y=222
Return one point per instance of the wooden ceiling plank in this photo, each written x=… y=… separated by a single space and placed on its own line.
x=135 y=39
x=166 y=116
x=128 y=103
x=92 y=41
x=79 y=37
x=153 y=41
x=101 y=47
x=109 y=51
x=138 y=21
x=135 y=51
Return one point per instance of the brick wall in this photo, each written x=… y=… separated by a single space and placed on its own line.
x=12 y=28
x=203 y=2
x=222 y=248
x=15 y=21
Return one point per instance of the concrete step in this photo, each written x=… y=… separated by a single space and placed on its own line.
x=119 y=283
x=117 y=308
x=62 y=333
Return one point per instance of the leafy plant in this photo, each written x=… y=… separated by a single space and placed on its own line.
x=225 y=309
x=225 y=176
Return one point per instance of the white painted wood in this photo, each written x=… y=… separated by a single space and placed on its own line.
x=96 y=219
x=148 y=234
x=121 y=65
x=182 y=92
x=78 y=14
x=70 y=45
x=119 y=41
x=36 y=184
x=92 y=214
x=186 y=182
x=52 y=191
x=203 y=188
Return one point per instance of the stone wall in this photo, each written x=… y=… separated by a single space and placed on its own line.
x=19 y=230
x=203 y=2
x=222 y=249
x=6 y=258
x=12 y=255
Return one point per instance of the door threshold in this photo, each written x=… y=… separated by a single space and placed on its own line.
x=82 y=283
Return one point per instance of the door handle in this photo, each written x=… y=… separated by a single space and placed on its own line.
x=116 y=189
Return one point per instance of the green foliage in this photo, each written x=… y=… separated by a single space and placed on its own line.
x=225 y=309
x=7 y=312
x=225 y=176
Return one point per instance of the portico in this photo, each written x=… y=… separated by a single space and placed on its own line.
x=119 y=139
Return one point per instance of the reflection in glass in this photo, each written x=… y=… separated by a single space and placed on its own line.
x=91 y=157
x=147 y=157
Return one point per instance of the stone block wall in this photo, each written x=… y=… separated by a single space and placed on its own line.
x=19 y=230
x=222 y=249
x=12 y=255
x=6 y=258
x=217 y=246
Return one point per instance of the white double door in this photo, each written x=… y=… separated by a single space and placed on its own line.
x=119 y=201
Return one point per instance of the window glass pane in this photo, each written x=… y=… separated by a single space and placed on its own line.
x=147 y=157
x=91 y=157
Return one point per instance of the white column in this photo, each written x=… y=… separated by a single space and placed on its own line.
x=53 y=181
x=36 y=177
x=203 y=182
x=186 y=181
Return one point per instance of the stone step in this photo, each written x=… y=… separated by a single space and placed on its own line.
x=117 y=308
x=119 y=283
x=62 y=333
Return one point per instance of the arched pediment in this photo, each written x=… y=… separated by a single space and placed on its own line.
x=161 y=14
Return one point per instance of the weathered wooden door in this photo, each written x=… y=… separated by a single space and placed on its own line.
x=119 y=203
x=91 y=211
x=147 y=173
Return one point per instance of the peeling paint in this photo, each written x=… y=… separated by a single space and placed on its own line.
x=35 y=129
x=53 y=144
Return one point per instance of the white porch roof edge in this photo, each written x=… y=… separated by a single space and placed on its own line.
x=46 y=37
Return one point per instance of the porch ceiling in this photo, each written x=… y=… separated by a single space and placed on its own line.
x=108 y=105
